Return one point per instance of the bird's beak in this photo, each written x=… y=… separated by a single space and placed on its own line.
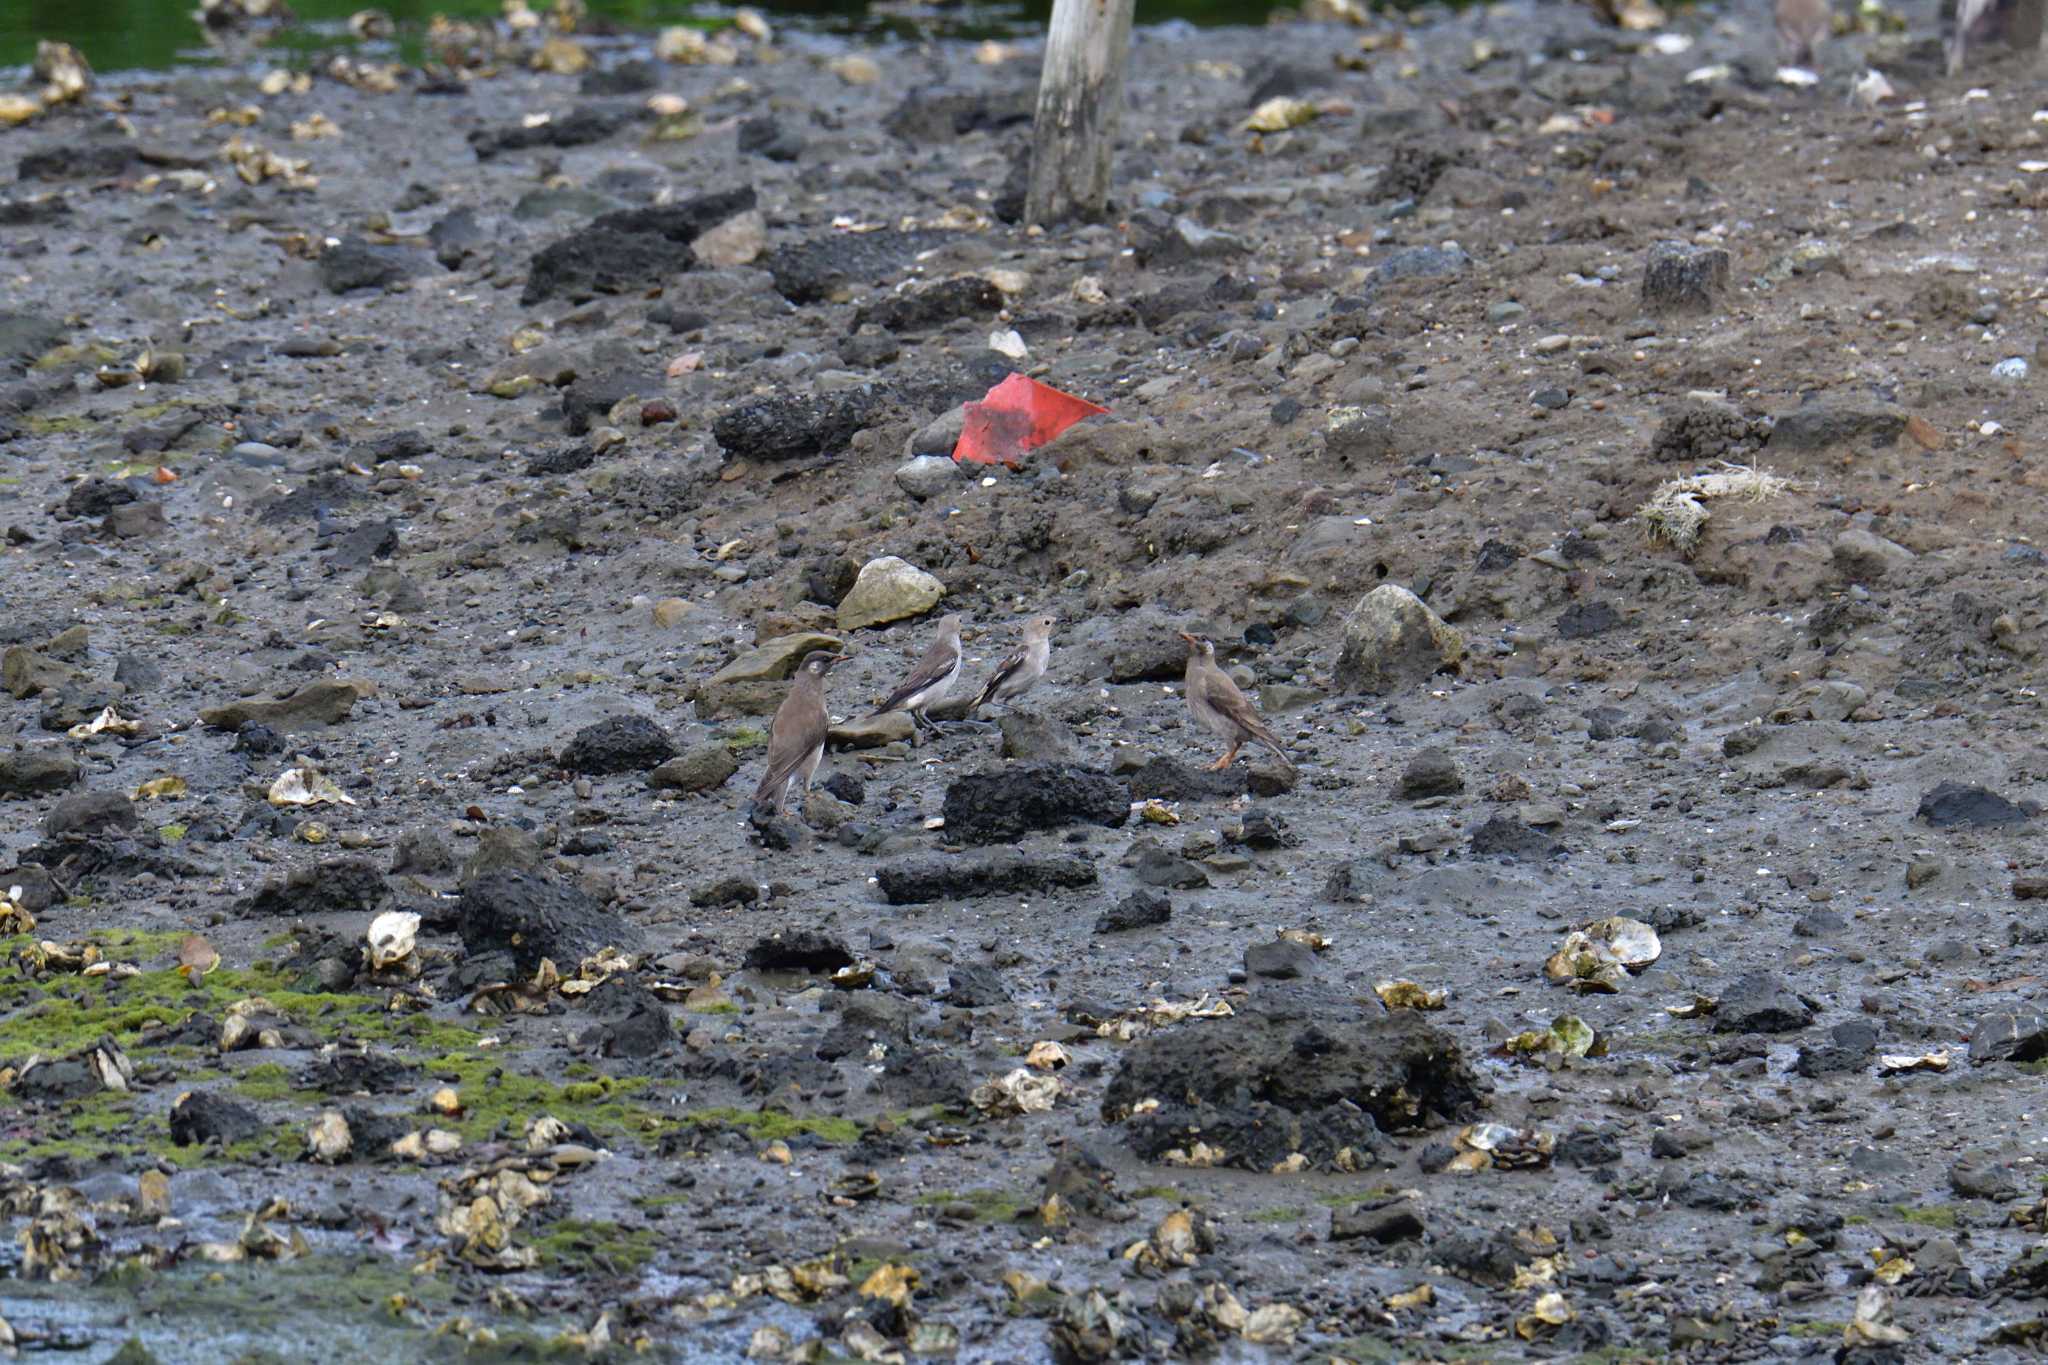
x=1192 y=641
x=838 y=659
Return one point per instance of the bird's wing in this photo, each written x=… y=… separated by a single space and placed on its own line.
x=788 y=747
x=1005 y=671
x=941 y=659
x=1222 y=696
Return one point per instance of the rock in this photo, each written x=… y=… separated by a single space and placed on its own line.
x=888 y=589
x=1281 y=960
x=1164 y=241
x=801 y=950
x=1269 y=777
x=698 y=768
x=872 y=732
x=1952 y=804
x=1356 y=437
x=1145 y=648
x=201 y=1116
x=26 y=336
x=1584 y=620
x=1981 y=1175
x=90 y=813
x=922 y=308
x=929 y=476
x=617 y=744
x=1681 y=278
x=1433 y=772
x=1393 y=641
x=456 y=237
x=826 y=268
x=752 y=684
x=1142 y=909
x=939 y=436
x=422 y=853
x=535 y=917
x=917 y=881
x=1029 y=737
x=767 y=136
x=1866 y=558
x=973 y=988
x=1295 y=1070
x=641 y=1030
x=1836 y=700
x=799 y=426
x=1849 y=1047
x=1830 y=423
x=1422 y=263
x=1155 y=866
x=2009 y=1037
x=355 y=264
x=941 y=115
x=581 y=126
x=1002 y=807
x=1699 y=432
x=725 y=891
x=336 y=886
x=1385 y=1221
x=25 y=672
x=1761 y=1002
x=1503 y=836
x=96 y=497
x=739 y=240
x=25 y=772
x=631 y=249
x=322 y=703
x=501 y=848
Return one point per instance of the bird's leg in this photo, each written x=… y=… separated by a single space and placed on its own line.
x=1229 y=756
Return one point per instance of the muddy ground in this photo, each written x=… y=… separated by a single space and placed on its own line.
x=409 y=466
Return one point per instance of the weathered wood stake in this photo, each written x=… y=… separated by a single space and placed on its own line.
x=1080 y=95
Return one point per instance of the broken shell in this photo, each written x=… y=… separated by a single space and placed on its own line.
x=392 y=936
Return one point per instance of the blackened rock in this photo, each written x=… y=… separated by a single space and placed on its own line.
x=618 y=744
x=201 y=1116
x=725 y=891
x=2009 y=1037
x=630 y=77
x=1484 y=1257
x=1161 y=240
x=926 y=1076
x=1433 y=772
x=590 y=396
x=1583 y=620
x=1086 y=1185
x=1504 y=836
x=156 y=437
x=932 y=306
x=642 y=1030
x=1156 y=866
x=1953 y=804
x=1698 y=433
x=1589 y=1147
x=564 y=459
x=90 y=813
x=1423 y=263
x=138 y=521
x=535 y=917
x=802 y=950
x=630 y=250
x=1261 y=829
x=941 y=115
x=1002 y=807
x=30 y=773
x=422 y=853
x=24 y=337
x=1761 y=1002
x=359 y=1073
x=972 y=988
x=1386 y=1221
x=1827 y=423
x=1140 y=910
x=799 y=426
x=825 y=267
x=1169 y=779
x=68 y=1078
x=1280 y=960
x=776 y=833
x=1296 y=1070
x=96 y=497
x=336 y=886
x=356 y=264
x=1682 y=278
x=916 y=881
x=581 y=126
x=1032 y=738
x=768 y=136
x=370 y=541
x=700 y=768
x=456 y=237
x=77 y=161
x=1981 y=1175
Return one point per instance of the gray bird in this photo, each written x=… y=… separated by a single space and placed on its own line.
x=796 y=737
x=1220 y=708
x=931 y=682
x=1970 y=15
x=1020 y=672
x=1802 y=24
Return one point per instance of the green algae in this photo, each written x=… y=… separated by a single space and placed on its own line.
x=578 y=1247
x=980 y=1205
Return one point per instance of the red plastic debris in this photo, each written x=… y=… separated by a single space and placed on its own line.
x=1016 y=415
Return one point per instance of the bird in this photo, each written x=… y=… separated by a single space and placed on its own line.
x=1801 y=26
x=796 y=737
x=1220 y=708
x=1970 y=14
x=931 y=682
x=1020 y=672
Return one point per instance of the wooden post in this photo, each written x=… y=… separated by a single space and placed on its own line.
x=1080 y=95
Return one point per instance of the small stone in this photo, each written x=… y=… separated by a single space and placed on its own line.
x=1142 y=909
x=1386 y=1222
x=1505 y=311
x=739 y=240
x=888 y=589
x=928 y=476
x=1761 y=1002
x=1433 y=772
x=1681 y=278
x=1952 y=804
x=671 y=612
x=700 y=768
x=2009 y=1037
x=1393 y=641
x=1866 y=558
x=618 y=744
x=1921 y=871
x=1283 y=959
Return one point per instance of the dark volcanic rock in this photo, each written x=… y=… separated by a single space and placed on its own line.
x=26 y=772
x=631 y=249
x=939 y=115
x=916 y=881
x=90 y=813
x=25 y=336
x=535 y=917
x=1506 y=837
x=77 y=161
x=932 y=306
x=971 y=988
x=336 y=886
x=1826 y=423
x=1281 y=959
x=202 y=1116
x=1953 y=804
x=803 y=950
x=1698 y=433
x=768 y=136
x=642 y=1028
x=618 y=744
x=1169 y=779
x=1156 y=866
x=2009 y=1037
x=823 y=267
x=799 y=426
x=352 y=1073
x=1761 y=1002
x=1682 y=278
x=356 y=264
x=585 y=124
x=1142 y=909
x=1295 y=1070
x=1384 y=1221
x=1002 y=807
x=1433 y=772
x=1583 y=620
x=1848 y=1047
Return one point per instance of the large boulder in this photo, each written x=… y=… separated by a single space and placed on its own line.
x=534 y=917
x=999 y=807
x=1393 y=640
